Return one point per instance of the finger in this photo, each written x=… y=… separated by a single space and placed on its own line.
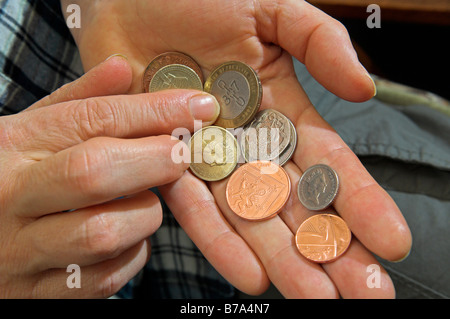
x=273 y=243
x=111 y=77
x=101 y=280
x=195 y=209
x=352 y=275
x=320 y=42
x=349 y=271
x=60 y=126
x=369 y=211
x=95 y=172
x=91 y=235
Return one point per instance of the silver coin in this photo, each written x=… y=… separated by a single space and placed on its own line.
x=266 y=137
x=290 y=149
x=318 y=187
x=175 y=76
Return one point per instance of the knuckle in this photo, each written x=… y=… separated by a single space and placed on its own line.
x=101 y=237
x=166 y=147
x=95 y=117
x=339 y=27
x=109 y=285
x=162 y=114
x=83 y=168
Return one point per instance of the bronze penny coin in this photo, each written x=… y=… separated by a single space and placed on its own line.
x=323 y=238
x=169 y=58
x=258 y=190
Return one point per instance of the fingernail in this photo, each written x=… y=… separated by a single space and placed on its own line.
x=204 y=107
x=403 y=258
x=373 y=84
x=117 y=54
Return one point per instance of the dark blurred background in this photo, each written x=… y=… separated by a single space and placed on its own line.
x=412 y=45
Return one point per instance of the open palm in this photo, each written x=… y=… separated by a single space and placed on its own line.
x=263 y=34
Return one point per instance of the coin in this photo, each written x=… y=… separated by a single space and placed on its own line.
x=214 y=153
x=175 y=76
x=238 y=90
x=289 y=151
x=323 y=238
x=258 y=190
x=266 y=136
x=166 y=59
x=318 y=187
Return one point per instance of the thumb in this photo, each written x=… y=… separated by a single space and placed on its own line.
x=320 y=42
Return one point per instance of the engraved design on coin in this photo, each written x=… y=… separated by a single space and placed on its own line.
x=248 y=194
x=266 y=137
x=254 y=195
x=214 y=153
x=238 y=90
x=322 y=238
x=318 y=187
x=175 y=76
x=165 y=59
x=233 y=91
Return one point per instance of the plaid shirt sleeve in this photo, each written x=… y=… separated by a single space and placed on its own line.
x=37 y=56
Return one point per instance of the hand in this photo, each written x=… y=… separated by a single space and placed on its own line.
x=65 y=161
x=263 y=34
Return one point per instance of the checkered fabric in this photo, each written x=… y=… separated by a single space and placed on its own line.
x=37 y=56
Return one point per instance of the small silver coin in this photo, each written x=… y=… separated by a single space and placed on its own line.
x=175 y=76
x=266 y=137
x=290 y=149
x=318 y=187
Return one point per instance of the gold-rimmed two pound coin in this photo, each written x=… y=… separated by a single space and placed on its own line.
x=238 y=90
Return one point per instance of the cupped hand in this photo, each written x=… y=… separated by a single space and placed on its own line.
x=75 y=171
x=263 y=34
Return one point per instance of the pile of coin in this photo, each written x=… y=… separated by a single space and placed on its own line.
x=241 y=134
x=324 y=236
x=172 y=70
x=262 y=141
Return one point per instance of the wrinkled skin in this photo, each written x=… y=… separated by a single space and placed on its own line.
x=250 y=255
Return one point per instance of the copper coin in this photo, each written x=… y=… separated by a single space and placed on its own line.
x=323 y=238
x=168 y=58
x=258 y=190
